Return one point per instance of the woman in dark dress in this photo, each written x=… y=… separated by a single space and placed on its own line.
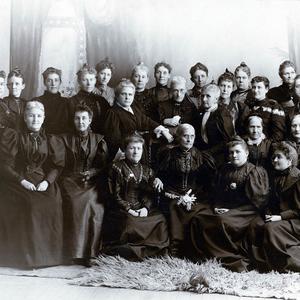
x=295 y=133
x=83 y=204
x=133 y=228
x=241 y=193
x=124 y=119
x=275 y=239
x=31 y=228
x=56 y=109
x=187 y=175
x=14 y=105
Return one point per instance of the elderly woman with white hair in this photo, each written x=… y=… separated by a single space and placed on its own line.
x=179 y=108
x=31 y=206
x=187 y=175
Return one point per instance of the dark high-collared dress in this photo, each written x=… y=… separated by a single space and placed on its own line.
x=159 y=93
x=181 y=171
x=31 y=223
x=276 y=245
x=83 y=202
x=12 y=112
x=97 y=104
x=241 y=95
x=131 y=187
x=56 y=113
x=244 y=191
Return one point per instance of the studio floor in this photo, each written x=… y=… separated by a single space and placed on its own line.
x=36 y=288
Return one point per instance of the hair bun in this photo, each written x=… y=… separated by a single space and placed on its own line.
x=243 y=64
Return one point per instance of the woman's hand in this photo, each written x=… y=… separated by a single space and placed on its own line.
x=172 y=121
x=28 y=185
x=272 y=218
x=158 y=185
x=133 y=212
x=220 y=211
x=143 y=212
x=42 y=186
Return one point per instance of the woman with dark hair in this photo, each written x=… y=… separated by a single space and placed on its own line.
x=82 y=188
x=242 y=75
x=240 y=194
x=275 y=240
x=31 y=223
x=14 y=104
x=105 y=70
x=133 y=228
x=56 y=109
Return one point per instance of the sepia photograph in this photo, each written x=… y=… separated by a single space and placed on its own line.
x=149 y=149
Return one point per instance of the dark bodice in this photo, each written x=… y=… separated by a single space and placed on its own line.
x=259 y=155
x=159 y=94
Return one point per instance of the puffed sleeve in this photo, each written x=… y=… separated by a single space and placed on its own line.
x=8 y=152
x=101 y=158
x=148 y=190
x=115 y=183
x=294 y=210
x=257 y=187
x=278 y=129
x=56 y=158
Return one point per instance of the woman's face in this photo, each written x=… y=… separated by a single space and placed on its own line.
x=126 y=96
x=242 y=80
x=297 y=87
x=15 y=86
x=178 y=91
x=104 y=76
x=140 y=79
x=52 y=83
x=199 y=78
x=280 y=161
x=34 y=119
x=255 y=128
x=134 y=151
x=226 y=88
x=87 y=82
x=238 y=155
x=2 y=87
x=295 y=128
x=288 y=75
x=82 y=121
x=162 y=75
x=186 y=139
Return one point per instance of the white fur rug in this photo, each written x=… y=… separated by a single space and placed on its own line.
x=172 y=274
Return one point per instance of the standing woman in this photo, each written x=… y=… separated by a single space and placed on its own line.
x=241 y=194
x=295 y=133
x=3 y=107
x=85 y=161
x=31 y=206
x=105 y=70
x=14 y=103
x=242 y=78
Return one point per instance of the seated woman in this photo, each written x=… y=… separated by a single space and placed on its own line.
x=240 y=193
x=142 y=97
x=187 y=175
x=124 y=119
x=105 y=70
x=284 y=94
x=15 y=105
x=133 y=228
x=31 y=222
x=86 y=77
x=85 y=159
x=199 y=76
x=276 y=239
x=258 y=145
x=242 y=78
x=56 y=110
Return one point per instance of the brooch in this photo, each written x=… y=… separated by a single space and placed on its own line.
x=232 y=185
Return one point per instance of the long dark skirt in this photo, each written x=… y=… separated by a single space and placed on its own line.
x=276 y=245
x=135 y=237
x=222 y=236
x=31 y=228
x=83 y=218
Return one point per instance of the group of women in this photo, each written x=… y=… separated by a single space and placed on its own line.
x=204 y=173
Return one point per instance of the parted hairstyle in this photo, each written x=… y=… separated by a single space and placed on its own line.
x=263 y=79
x=212 y=86
x=51 y=70
x=34 y=104
x=83 y=108
x=124 y=83
x=198 y=66
x=105 y=64
x=237 y=140
x=133 y=138
x=243 y=67
x=15 y=72
x=226 y=76
x=139 y=66
x=162 y=64
x=177 y=80
x=288 y=149
x=86 y=69
x=285 y=64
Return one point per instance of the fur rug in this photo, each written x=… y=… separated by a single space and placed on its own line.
x=172 y=274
